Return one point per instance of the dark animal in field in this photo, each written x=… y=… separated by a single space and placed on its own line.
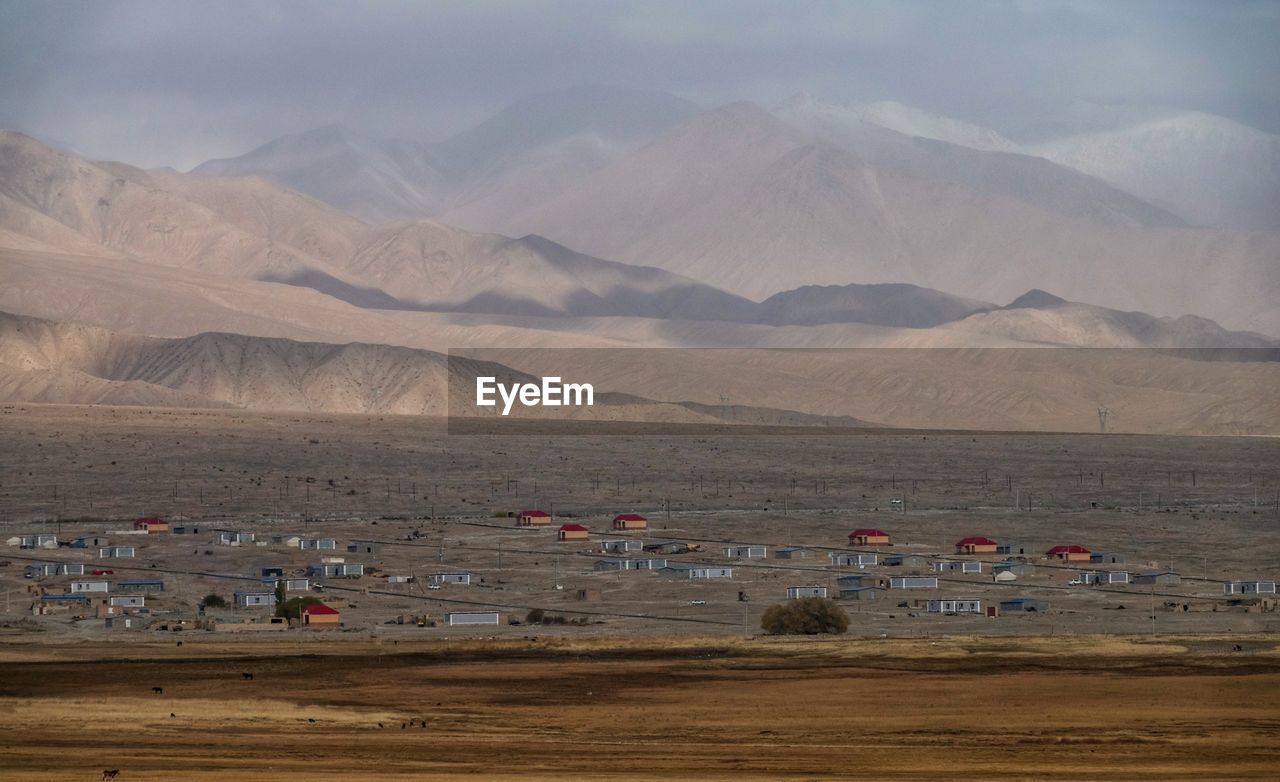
x=247 y=676
x=157 y=690
x=312 y=720
x=171 y=714
x=110 y=773
x=380 y=725
x=1237 y=648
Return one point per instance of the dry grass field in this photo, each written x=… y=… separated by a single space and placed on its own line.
x=961 y=708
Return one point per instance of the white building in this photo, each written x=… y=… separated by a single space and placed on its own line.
x=34 y=540
x=455 y=618
x=744 y=552
x=230 y=537
x=1249 y=588
x=696 y=571
x=955 y=606
x=78 y=587
x=852 y=559
x=795 y=592
x=913 y=582
x=255 y=599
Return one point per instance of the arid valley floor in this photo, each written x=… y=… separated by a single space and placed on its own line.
x=663 y=676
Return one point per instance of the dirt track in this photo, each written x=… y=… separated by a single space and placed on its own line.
x=966 y=708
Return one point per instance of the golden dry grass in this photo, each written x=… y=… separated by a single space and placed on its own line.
x=973 y=708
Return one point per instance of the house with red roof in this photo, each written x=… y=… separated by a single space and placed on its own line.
x=869 y=537
x=573 y=532
x=533 y=518
x=1068 y=553
x=319 y=614
x=976 y=545
x=630 y=521
x=152 y=525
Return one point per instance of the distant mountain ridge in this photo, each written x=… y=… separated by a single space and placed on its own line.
x=529 y=146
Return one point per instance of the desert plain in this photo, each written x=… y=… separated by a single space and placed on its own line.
x=650 y=676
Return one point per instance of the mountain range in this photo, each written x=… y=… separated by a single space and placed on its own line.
x=811 y=226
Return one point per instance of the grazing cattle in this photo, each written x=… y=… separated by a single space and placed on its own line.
x=247 y=676
x=380 y=725
x=157 y=690
x=110 y=773
x=311 y=720
x=171 y=714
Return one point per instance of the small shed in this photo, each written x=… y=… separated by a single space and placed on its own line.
x=533 y=518
x=573 y=532
x=318 y=544
x=857 y=592
x=793 y=552
x=744 y=552
x=1013 y=605
x=1158 y=578
x=364 y=547
x=1004 y=577
x=116 y=552
x=1013 y=549
x=671 y=547
x=907 y=561
x=186 y=529
x=89 y=541
x=1105 y=558
x=622 y=546
x=797 y=592
x=868 y=537
x=630 y=521
x=127 y=601
x=1020 y=569
x=456 y=578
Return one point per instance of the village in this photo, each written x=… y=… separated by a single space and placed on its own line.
x=709 y=573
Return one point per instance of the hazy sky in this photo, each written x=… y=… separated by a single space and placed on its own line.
x=172 y=83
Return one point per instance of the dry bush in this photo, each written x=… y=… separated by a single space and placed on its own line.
x=806 y=616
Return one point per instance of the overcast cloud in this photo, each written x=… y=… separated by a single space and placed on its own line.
x=170 y=83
